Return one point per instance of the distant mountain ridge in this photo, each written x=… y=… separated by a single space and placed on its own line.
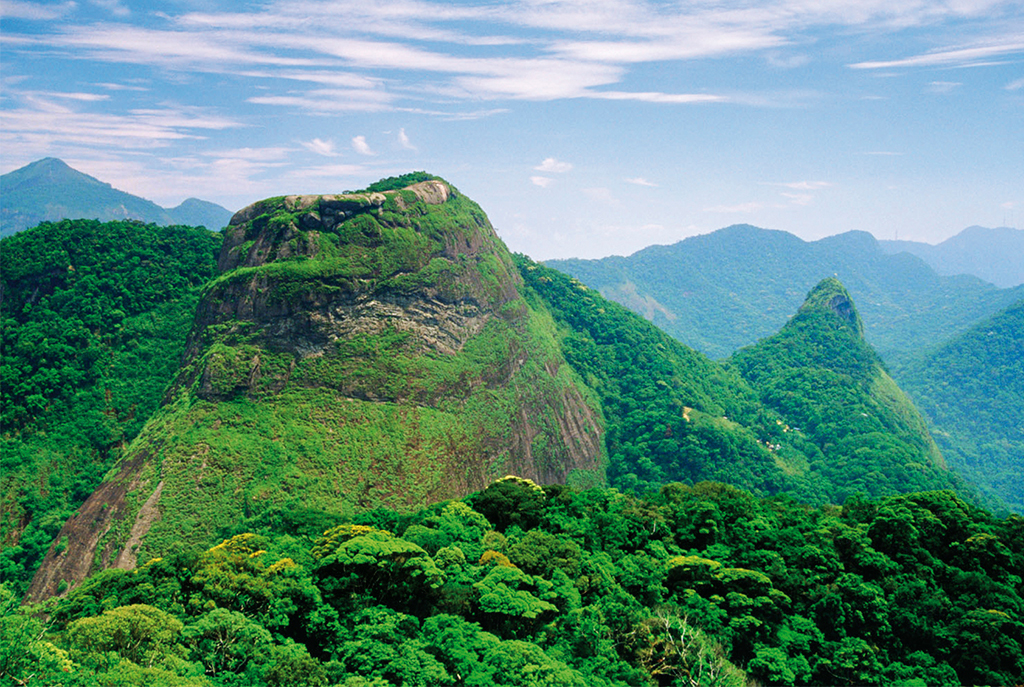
x=49 y=190
x=995 y=255
x=720 y=291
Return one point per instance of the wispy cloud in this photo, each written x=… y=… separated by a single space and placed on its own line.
x=799 y=198
x=320 y=147
x=551 y=164
x=655 y=97
x=884 y=153
x=43 y=121
x=329 y=101
x=543 y=182
x=952 y=56
x=640 y=181
x=360 y=145
x=15 y=9
x=802 y=185
x=1015 y=85
x=403 y=140
x=942 y=87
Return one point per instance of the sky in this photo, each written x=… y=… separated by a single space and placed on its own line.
x=584 y=128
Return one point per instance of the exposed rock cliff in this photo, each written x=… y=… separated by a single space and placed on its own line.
x=356 y=350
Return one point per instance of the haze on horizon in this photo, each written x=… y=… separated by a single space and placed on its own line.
x=583 y=128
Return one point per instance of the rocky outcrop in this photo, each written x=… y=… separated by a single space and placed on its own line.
x=357 y=350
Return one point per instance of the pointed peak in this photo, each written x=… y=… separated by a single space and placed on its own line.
x=831 y=295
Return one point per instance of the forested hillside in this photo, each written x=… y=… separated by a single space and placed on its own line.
x=720 y=291
x=275 y=456
x=525 y=586
x=94 y=319
x=828 y=383
x=971 y=390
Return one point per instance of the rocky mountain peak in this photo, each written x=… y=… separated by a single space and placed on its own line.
x=831 y=295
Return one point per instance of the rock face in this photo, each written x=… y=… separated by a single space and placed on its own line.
x=357 y=350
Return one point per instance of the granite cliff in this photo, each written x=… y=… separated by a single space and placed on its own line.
x=356 y=350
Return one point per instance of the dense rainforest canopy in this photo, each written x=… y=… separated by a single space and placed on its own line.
x=529 y=586
x=94 y=318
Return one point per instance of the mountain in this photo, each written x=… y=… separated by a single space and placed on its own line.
x=720 y=291
x=971 y=389
x=995 y=255
x=820 y=374
x=48 y=190
x=383 y=349
x=355 y=351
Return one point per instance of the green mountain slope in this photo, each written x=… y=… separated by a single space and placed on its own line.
x=727 y=289
x=826 y=382
x=673 y=414
x=49 y=190
x=383 y=348
x=357 y=350
x=972 y=391
x=995 y=255
x=94 y=319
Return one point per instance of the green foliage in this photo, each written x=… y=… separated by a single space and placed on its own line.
x=971 y=389
x=672 y=414
x=398 y=182
x=94 y=317
x=696 y=585
x=829 y=386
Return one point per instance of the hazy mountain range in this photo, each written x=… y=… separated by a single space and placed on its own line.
x=995 y=255
x=720 y=291
x=48 y=190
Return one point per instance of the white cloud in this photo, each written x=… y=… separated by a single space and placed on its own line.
x=780 y=61
x=320 y=147
x=550 y=164
x=543 y=182
x=360 y=145
x=799 y=198
x=655 y=97
x=1015 y=85
x=640 y=181
x=883 y=153
x=43 y=123
x=15 y=9
x=953 y=56
x=268 y=155
x=1008 y=205
x=943 y=86
x=403 y=140
x=804 y=185
x=83 y=97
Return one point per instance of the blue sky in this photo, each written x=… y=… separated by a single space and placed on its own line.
x=582 y=127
